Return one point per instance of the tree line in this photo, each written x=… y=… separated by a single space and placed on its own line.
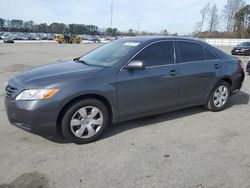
x=232 y=22
x=16 y=25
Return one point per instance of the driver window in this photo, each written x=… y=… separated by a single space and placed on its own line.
x=160 y=53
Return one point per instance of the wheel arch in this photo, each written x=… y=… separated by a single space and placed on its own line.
x=225 y=79
x=101 y=98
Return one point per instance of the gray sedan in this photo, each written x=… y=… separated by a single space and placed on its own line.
x=126 y=79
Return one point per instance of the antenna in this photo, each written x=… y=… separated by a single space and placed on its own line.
x=111 y=21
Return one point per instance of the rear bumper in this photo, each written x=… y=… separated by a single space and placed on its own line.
x=237 y=82
x=39 y=117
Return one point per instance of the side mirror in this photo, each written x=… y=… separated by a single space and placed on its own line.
x=136 y=65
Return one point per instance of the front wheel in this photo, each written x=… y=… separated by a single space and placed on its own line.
x=219 y=97
x=85 y=121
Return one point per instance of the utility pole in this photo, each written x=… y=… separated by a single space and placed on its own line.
x=111 y=21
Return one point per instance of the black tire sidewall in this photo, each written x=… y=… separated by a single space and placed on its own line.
x=211 y=105
x=66 y=130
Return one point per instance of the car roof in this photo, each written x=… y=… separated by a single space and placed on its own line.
x=150 y=39
x=144 y=39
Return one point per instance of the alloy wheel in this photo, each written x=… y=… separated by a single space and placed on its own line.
x=220 y=97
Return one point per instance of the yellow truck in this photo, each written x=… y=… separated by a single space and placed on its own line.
x=68 y=39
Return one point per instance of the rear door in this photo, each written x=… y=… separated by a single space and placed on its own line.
x=153 y=88
x=198 y=69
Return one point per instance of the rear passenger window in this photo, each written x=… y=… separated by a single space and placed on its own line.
x=210 y=55
x=190 y=51
x=160 y=53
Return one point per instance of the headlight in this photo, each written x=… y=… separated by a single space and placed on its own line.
x=36 y=94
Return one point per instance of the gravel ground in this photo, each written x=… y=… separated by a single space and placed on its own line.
x=187 y=148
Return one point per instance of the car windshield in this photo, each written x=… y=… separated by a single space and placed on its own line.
x=245 y=44
x=109 y=54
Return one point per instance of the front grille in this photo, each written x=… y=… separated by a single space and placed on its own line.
x=10 y=91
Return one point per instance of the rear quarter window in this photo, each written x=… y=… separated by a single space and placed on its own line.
x=210 y=55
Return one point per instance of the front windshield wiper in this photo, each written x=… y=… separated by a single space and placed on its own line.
x=80 y=61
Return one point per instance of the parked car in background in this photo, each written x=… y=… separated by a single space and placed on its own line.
x=241 y=49
x=1 y=33
x=8 y=40
x=35 y=36
x=125 y=79
x=6 y=35
x=106 y=40
x=248 y=67
x=20 y=36
x=96 y=38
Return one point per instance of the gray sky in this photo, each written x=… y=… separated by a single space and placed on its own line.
x=153 y=15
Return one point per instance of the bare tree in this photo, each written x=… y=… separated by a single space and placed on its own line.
x=242 y=22
x=197 y=28
x=204 y=12
x=213 y=18
x=229 y=12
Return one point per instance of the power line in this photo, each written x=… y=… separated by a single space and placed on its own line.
x=111 y=21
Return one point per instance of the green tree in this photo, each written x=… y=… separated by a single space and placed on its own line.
x=16 y=23
x=112 y=31
x=131 y=32
x=28 y=26
x=2 y=22
x=165 y=32
x=57 y=28
x=43 y=28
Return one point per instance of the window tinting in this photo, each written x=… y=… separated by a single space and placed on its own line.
x=244 y=44
x=190 y=51
x=210 y=55
x=160 y=53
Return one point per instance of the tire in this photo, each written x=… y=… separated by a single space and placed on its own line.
x=78 y=125
x=63 y=41
x=219 y=97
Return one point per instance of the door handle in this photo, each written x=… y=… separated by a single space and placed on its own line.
x=173 y=73
x=217 y=65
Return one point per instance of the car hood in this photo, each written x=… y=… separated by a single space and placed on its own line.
x=56 y=73
x=240 y=47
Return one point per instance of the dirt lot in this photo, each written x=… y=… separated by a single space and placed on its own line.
x=187 y=148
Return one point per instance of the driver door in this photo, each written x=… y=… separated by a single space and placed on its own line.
x=153 y=88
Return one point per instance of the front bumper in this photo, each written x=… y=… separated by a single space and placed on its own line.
x=240 y=52
x=38 y=116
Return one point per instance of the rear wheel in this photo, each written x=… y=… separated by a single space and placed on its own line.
x=219 y=97
x=63 y=41
x=85 y=121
